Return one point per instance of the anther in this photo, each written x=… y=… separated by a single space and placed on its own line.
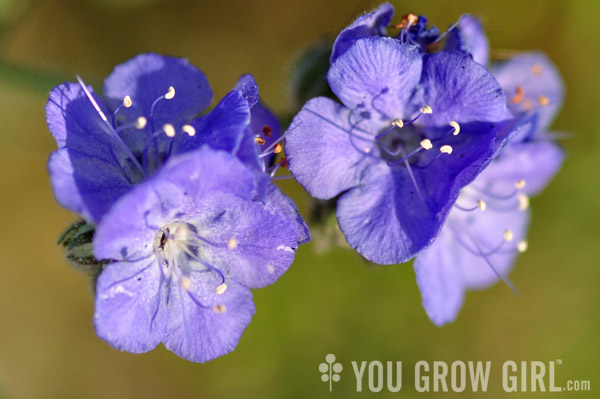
x=519 y=96
x=398 y=123
x=481 y=205
x=520 y=184
x=220 y=308
x=141 y=122
x=412 y=19
x=522 y=246
x=186 y=283
x=543 y=100
x=456 y=128
x=259 y=140
x=536 y=69
x=278 y=148
x=446 y=149
x=267 y=131
x=508 y=235
x=221 y=289
x=426 y=144
x=171 y=93
x=127 y=102
x=169 y=130
x=426 y=109
x=232 y=243
x=523 y=201
x=189 y=129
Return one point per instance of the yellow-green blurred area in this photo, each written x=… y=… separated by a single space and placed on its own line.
x=331 y=302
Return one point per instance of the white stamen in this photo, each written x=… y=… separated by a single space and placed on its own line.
x=127 y=102
x=426 y=109
x=481 y=205
x=186 y=283
x=220 y=308
x=92 y=100
x=232 y=243
x=426 y=144
x=398 y=123
x=169 y=130
x=508 y=235
x=520 y=184
x=221 y=289
x=171 y=93
x=522 y=246
x=189 y=129
x=446 y=149
x=456 y=127
x=523 y=201
x=141 y=122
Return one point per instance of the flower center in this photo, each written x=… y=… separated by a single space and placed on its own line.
x=178 y=247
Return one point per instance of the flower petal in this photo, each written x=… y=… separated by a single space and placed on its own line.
x=377 y=75
x=468 y=37
x=130 y=309
x=253 y=245
x=535 y=162
x=325 y=153
x=440 y=281
x=482 y=233
x=370 y=24
x=384 y=219
x=147 y=77
x=183 y=185
x=248 y=88
x=459 y=89
x=76 y=124
x=221 y=129
x=197 y=331
x=85 y=184
x=278 y=202
x=531 y=83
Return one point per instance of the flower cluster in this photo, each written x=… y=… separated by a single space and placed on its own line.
x=432 y=152
x=184 y=208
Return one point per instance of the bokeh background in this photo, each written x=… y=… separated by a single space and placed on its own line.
x=330 y=302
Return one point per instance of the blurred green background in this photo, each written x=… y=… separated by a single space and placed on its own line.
x=326 y=303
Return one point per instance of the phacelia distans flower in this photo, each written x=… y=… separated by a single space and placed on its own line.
x=412 y=131
x=185 y=210
x=487 y=228
x=187 y=245
x=150 y=114
x=412 y=29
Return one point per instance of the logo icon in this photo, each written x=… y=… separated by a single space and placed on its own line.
x=330 y=370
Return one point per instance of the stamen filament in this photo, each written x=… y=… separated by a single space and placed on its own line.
x=111 y=131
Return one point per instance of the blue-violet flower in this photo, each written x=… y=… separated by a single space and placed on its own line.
x=487 y=227
x=414 y=128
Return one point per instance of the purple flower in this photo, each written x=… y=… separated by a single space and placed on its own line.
x=107 y=147
x=150 y=114
x=487 y=227
x=412 y=131
x=186 y=214
x=412 y=30
x=186 y=245
x=467 y=36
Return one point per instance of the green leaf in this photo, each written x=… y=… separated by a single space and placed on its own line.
x=309 y=72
